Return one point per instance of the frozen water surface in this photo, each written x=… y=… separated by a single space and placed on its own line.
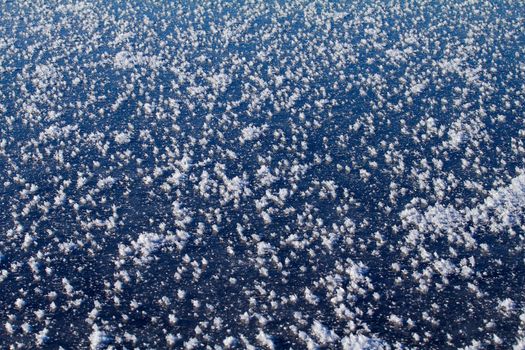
x=262 y=174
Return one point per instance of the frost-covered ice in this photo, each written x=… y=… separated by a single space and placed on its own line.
x=262 y=174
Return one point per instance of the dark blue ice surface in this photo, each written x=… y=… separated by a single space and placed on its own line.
x=269 y=174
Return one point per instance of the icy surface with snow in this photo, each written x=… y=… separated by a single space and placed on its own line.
x=262 y=174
